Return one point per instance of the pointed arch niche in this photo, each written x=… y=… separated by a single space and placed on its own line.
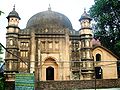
x=50 y=69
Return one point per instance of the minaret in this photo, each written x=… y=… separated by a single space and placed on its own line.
x=87 y=66
x=11 y=61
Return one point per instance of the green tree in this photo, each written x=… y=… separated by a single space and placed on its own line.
x=2 y=79
x=1 y=73
x=106 y=13
x=1 y=12
x=1 y=52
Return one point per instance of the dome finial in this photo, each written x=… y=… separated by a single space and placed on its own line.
x=84 y=10
x=13 y=13
x=85 y=16
x=49 y=8
x=14 y=7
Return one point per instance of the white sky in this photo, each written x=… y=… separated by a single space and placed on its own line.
x=27 y=8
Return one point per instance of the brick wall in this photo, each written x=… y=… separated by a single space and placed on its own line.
x=77 y=84
x=71 y=85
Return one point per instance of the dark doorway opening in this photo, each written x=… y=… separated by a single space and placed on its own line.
x=98 y=72
x=50 y=73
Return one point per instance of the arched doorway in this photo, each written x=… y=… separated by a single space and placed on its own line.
x=49 y=69
x=98 y=72
x=50 y=73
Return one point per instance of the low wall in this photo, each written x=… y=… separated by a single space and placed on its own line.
x=77 y=84
x=71 y=85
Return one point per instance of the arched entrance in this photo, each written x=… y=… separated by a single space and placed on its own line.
x=49 y=69
x=98 y=72
x=50 y=73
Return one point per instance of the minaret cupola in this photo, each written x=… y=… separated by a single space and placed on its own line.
x=85 y=20
x=13 y=18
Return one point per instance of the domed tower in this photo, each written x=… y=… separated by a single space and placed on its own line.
x=12 y=44
x=87 y=69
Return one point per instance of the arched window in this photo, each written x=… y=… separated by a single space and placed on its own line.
x=50 y=45
x=43 y=43
x=11 y=42
x=56 y=45
x=98 y=57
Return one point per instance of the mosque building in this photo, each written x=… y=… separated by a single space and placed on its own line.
x=50 y=48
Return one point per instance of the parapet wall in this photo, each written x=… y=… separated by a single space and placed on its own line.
x=72 y=84
x=77 y=84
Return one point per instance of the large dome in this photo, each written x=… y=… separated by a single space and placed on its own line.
x=48 y=19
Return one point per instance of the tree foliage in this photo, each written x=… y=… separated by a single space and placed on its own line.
x=1 y=52
x=106 y=13
x=1 y=12
x=2 y=83
x=2 y=80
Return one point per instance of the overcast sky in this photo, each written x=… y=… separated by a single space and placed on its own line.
x=27 y=8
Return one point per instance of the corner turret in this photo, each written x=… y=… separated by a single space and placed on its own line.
x=11 y=61
x=85 y=20
x=13 y=18
x=87 y=69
